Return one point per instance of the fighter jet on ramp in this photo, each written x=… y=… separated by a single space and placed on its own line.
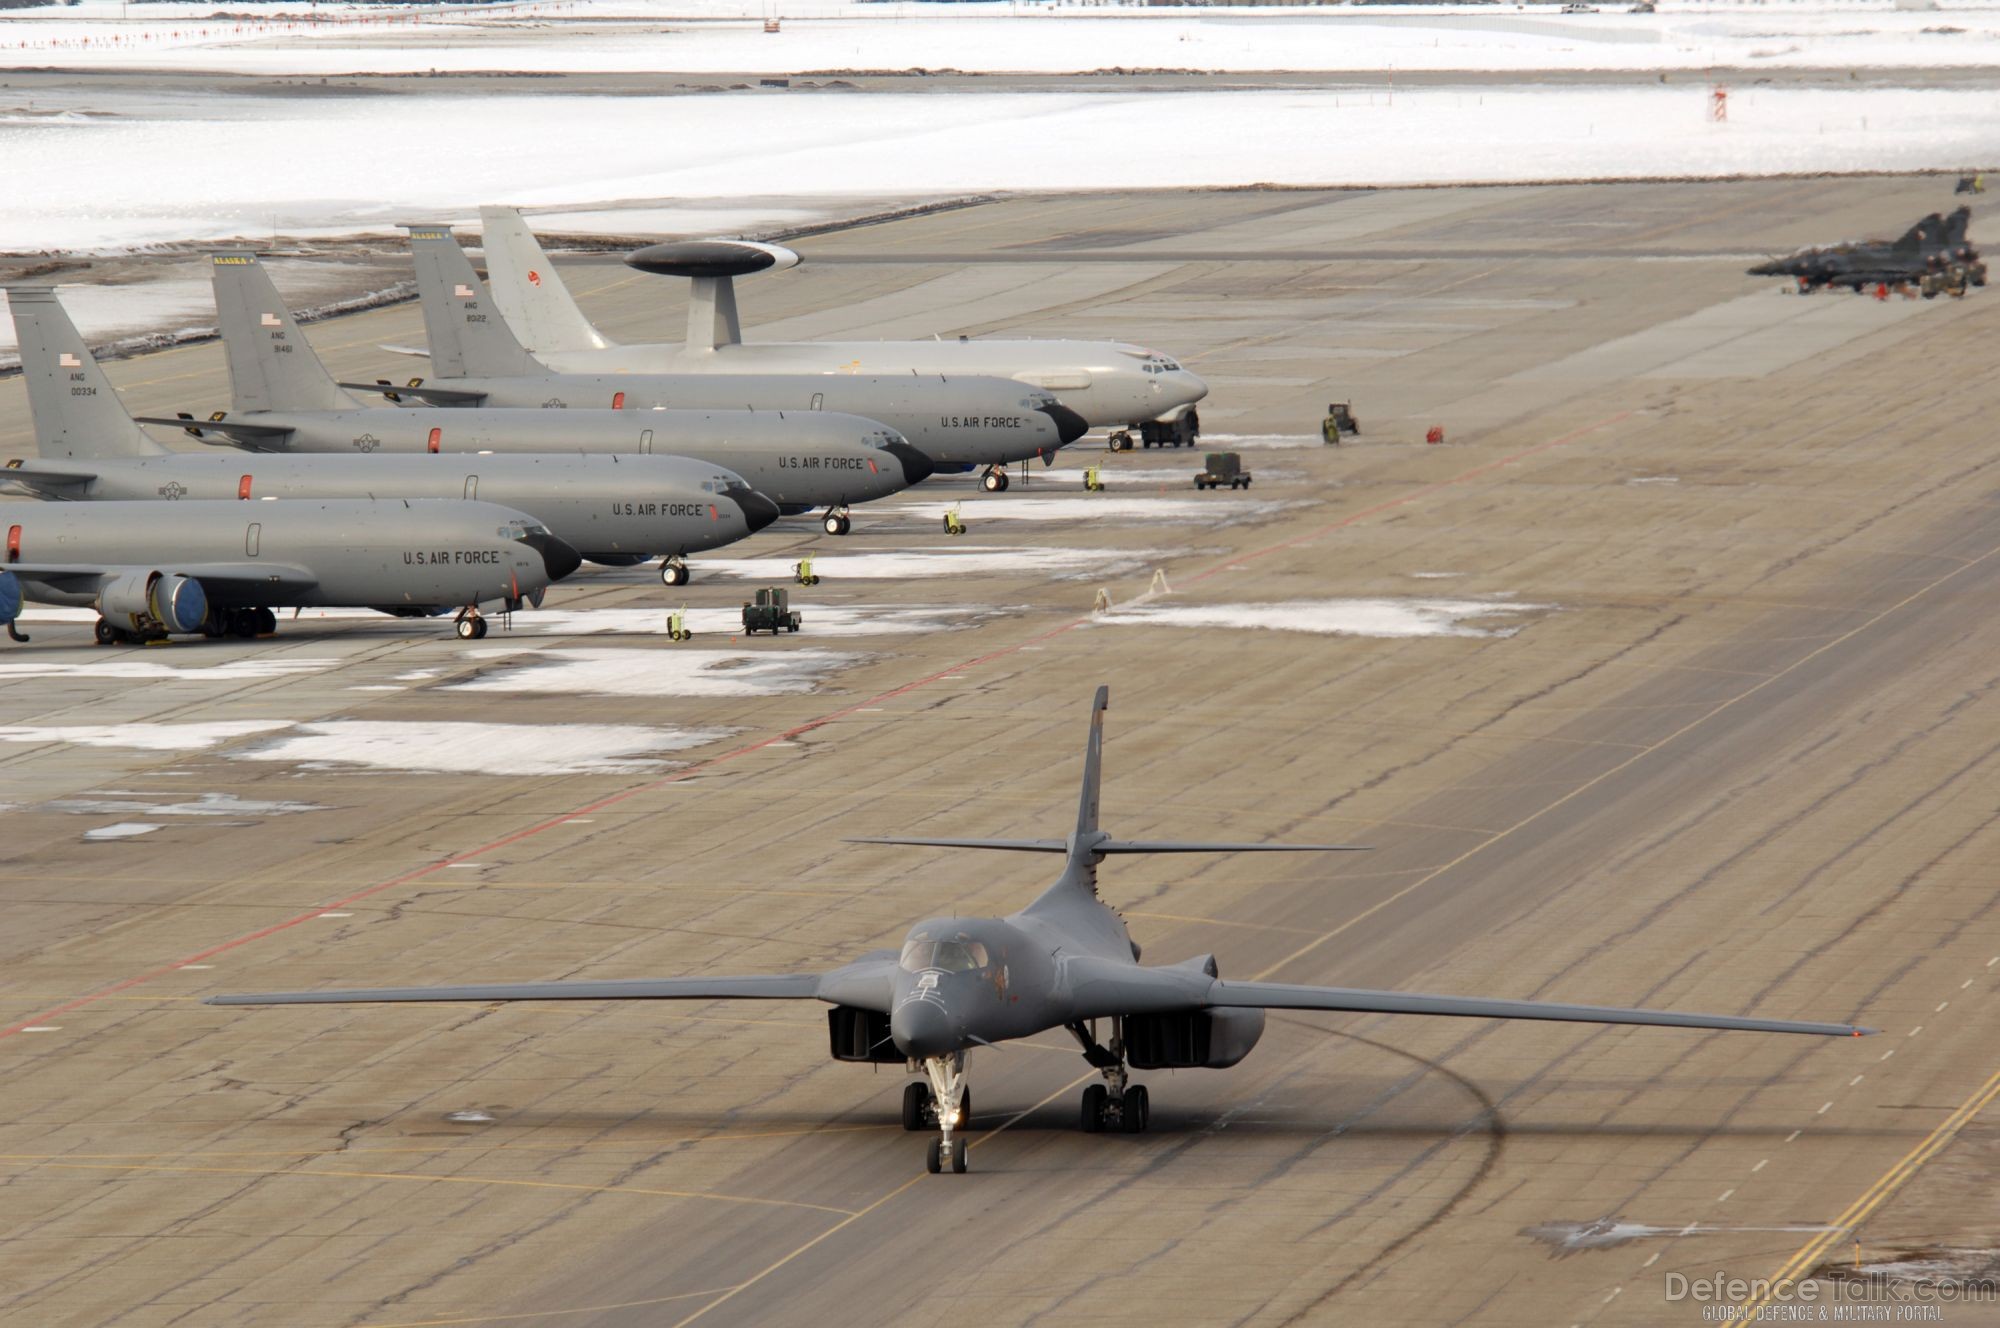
x=1065 y=961
x=1932 y=256
x=958 y=422
x=1109 y=383
x=620 y=510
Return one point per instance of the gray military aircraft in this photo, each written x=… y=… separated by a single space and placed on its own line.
x=959 y=423
x=153 y=569
x=619 y=510
x=1065 y=961
x=1932 y=256
x=283 y=400
x=1111 y=384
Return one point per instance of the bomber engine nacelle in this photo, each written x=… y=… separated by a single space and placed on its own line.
x=155 y=602
x=1195 y=1039
x=860 y=1035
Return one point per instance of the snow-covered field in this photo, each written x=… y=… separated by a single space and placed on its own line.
x=246 y=166
x=677 y=36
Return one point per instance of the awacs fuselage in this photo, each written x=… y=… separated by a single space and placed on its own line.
x=956 y=422
x=598 y=505
x=393 y=555
x=1109 y=384
x=797 y=462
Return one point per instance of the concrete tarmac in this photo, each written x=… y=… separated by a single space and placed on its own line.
x=1712 y=728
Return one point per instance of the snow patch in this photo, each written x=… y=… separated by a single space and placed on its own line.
x=208 y=804
x=654 y=673
x=472 y=749
x=953 y=560
x=818 y=619
x=123 y=830
x=142 y=737
x=1214 y=510
x=254 y=668
x=1385 y=618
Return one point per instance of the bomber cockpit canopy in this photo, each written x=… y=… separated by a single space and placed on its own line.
x=953 y=952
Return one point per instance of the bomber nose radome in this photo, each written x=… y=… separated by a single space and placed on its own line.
x=758 y=510
x=921 y=1028
x=1070 y=426
x=557 y=556
x=917 y=467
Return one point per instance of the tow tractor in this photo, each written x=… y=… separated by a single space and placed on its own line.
x=1339 y=420
x=771 y=612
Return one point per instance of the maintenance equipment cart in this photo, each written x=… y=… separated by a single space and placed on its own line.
x=1224 y=468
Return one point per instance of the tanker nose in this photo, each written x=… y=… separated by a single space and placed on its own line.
x=917 y=467
x=921 y=1028
x=1070 y=426
x=758 y=510
x=558 y=557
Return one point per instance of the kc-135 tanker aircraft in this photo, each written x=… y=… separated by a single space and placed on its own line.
x=1065 y=961
x=1109 y=383
x=612 y=509
x=282 y=399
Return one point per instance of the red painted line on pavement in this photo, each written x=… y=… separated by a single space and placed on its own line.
x=528 y=832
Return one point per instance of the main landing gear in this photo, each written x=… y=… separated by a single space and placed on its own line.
x=993 y=479
x=944 y=1102
x=1114 y=1105
x=837 y=521
x=674 y=572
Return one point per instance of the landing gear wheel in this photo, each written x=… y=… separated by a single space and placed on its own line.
x=1119 y=442
x=994 y=481
x=934 y=1157
x=674 y=573
x=834 y=525
x=1136 y=1113
x=468 y=628
x=958 y=1157
x=267 y=622
x=106 y=633
x=1094 y=1098
x=964 y=1111
x=243 y=623
x=916 y=1106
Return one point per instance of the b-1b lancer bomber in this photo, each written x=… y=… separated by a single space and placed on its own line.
x=620 y=510
x=958 y=422
x=1065 y=961
x=1110 y=384
x=284 y=400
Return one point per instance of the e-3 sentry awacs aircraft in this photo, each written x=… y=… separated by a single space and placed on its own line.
x=1112 y=384
x=1065 y=961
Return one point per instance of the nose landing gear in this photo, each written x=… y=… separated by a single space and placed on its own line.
x=946 y=1101
x=837 y=521
x=674 y=571
x=470 y=625
x=994 y=479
